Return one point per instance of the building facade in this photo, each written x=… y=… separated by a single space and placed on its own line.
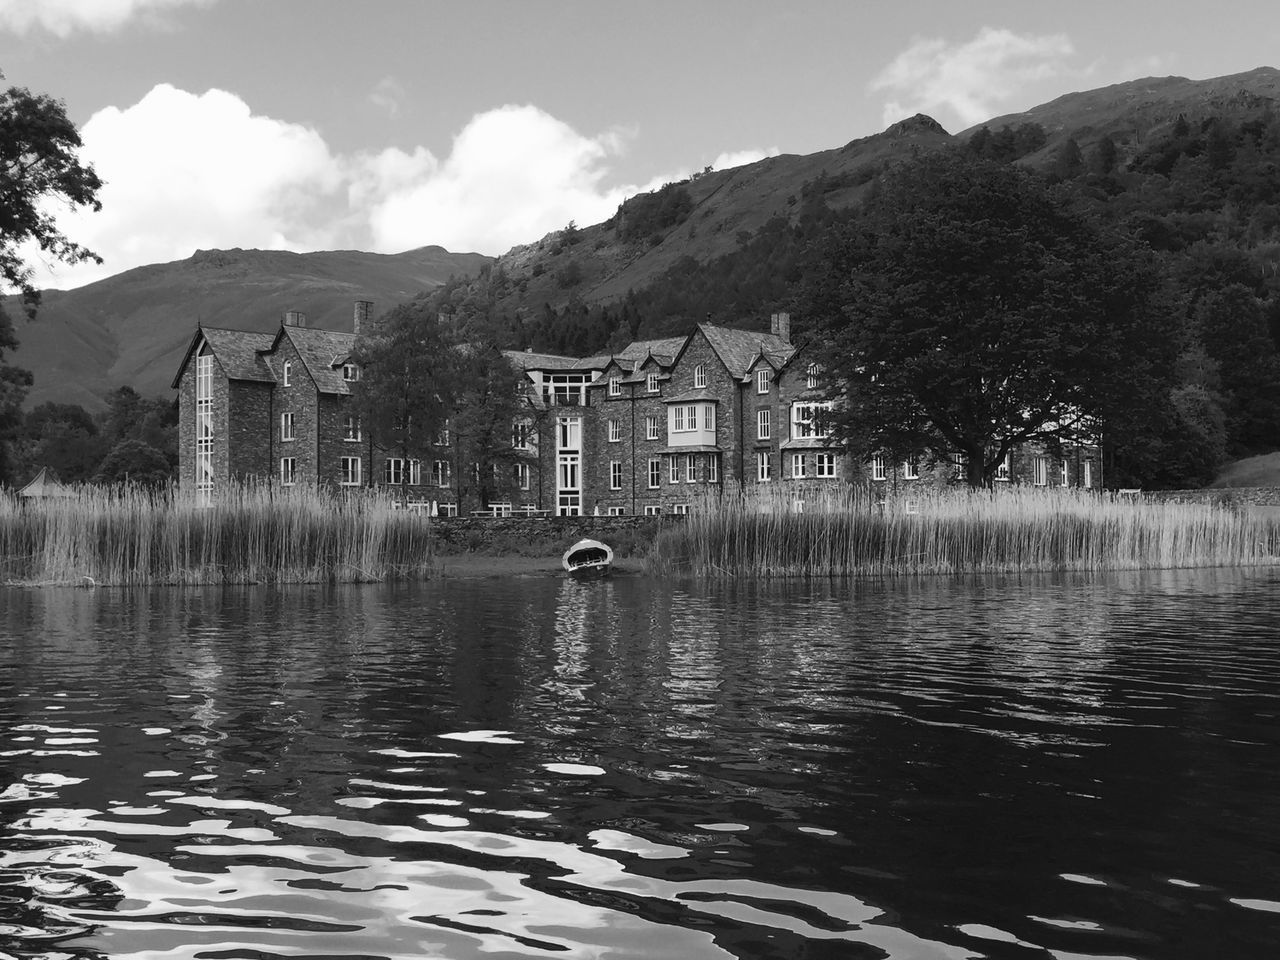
x=645 y=431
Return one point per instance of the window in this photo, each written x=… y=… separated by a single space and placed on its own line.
x=350 y=471
x=685 y=417
x=1064 y=479
x=690 y=468
x=1088 y=474
x=713 y=468
x=655 y=473
x=1002 y=471
x=615 y=474
x=651 y=383
x=652 y=428
x=286 y=426
x=811 y=376
x=520 y=431
x=763 y=379
x=680 y=509
x=673 y=469
x=394 y=473
x=522 y=475
x=614 y=512
x=1040 y=471
x=350 y=372
x=442 y=438
x=415 y=473
x=204 y=427
x=615 y=387
x=288 y=373
x=351 y=429
x=652 y=510
x=764 y=469
x=700 y=376
x=809 y=420
x=824 y=465
x=615 y=431
x=877 y=467
x=288 y=471
x=959 y=466
x=762 y=424
x=797 y=466
x=911 y=468
x=440 y=473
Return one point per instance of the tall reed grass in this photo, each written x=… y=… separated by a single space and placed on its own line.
x=251 y=534
x=846 y=532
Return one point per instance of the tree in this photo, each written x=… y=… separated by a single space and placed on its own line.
x=489 y=408
x=134 y=461
x=408 y=376
x=970 y=309
x=38 y=167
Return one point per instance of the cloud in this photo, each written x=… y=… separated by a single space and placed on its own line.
x=969 y=79
x=183 y=172
x=64 y=17
x=387 y=96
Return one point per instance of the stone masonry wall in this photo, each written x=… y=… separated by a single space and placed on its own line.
x=1225 y=496
x=549 y=536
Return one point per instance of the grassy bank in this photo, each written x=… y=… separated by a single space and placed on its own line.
x=251 y=535
x=847 y=533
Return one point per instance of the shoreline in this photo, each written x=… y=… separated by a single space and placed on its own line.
x=481 y=565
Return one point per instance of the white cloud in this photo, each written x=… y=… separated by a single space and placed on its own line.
x=387 y=96
x=64 y=17
x=183 y=172
x=969 y=79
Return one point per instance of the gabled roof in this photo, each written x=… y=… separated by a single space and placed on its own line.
x=664 y=351
x=738 y=350
x=322 y=352
x=238 y=352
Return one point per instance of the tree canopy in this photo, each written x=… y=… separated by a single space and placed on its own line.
x=970 y=308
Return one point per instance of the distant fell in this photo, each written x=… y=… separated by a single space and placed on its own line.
x=132 y=328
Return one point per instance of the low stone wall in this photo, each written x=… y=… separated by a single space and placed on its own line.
x=546 y=536
x=1225 y=496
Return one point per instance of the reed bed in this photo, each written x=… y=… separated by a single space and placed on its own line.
x=848 y=533
x=251 y=534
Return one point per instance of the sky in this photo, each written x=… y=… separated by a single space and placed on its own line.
x=386 y=125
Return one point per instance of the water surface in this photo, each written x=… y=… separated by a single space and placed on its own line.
x=509 y=768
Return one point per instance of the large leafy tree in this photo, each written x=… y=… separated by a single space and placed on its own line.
x=490 y=405
x=970 y=308
x=39 y=170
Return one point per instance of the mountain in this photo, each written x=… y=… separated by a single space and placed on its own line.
x=132 y=328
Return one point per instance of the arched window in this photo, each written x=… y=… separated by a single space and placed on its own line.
x=812 y=381
x=700 y=375
x=288 y=370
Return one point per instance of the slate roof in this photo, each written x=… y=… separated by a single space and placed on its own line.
x=522 y=360
x=238 y=352
x=664 y=351
x=739 y=349
x=323 y=352
x=691 y=396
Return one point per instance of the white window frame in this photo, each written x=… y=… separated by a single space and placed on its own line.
x=415 y=472
x=352 y=429
x=700 y=376
x=204 y=426
x=1087 y=480
x=764 y=424
x=690 y=468
x=653 y=428
x=520 y=431
x=879 y=469
x=655 y=472
x=805 y=418
x=614 y=511
x=352 y=471
x=288 y=471
x=1003 y=470
x=911 y=468
x=286 y=375
x=652 y=510
x=824 y=465
x=523 y=476
x=615 y=430
x=350 y=372
x=680 y=509
x=615 y=386
x=393 y=471
x=797 y=466
x=764 y=467
x=442 y=438
x=441 y=473
x=713 y=468
x=764 y=379
x=615 y=474
x=1065 y=478
x=287 y=433
x=1040 y=471
x=651 y=383
x=684 y=418
x=673 y=469
x=811 y=376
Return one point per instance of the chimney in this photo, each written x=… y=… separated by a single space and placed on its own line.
x=780 y=325
x=295 y=318
x=361 y=316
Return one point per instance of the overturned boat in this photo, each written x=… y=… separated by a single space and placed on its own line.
x=588 y=558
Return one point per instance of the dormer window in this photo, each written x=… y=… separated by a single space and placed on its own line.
x=615 y=386
x=764 y=378
x=700 y=376
x=651 y=384
x=288 y=372
x=350 y=372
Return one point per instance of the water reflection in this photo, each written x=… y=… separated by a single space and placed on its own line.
x=940 y=768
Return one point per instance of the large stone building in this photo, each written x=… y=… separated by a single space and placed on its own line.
x=646 y=430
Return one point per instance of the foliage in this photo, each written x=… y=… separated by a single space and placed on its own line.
x=646 y=216
x=134 y=461
x=38 y=164
x=969 y=309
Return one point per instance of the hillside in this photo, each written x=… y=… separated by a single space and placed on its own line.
x=132 y=328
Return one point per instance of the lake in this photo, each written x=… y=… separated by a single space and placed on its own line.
x=1061 y=766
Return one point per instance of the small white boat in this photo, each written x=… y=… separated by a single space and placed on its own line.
x=588 y=558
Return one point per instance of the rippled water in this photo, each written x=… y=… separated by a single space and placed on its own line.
x=1052 y=766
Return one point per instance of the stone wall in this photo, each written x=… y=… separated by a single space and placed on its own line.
x=1225 y=496
x=545 y=536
